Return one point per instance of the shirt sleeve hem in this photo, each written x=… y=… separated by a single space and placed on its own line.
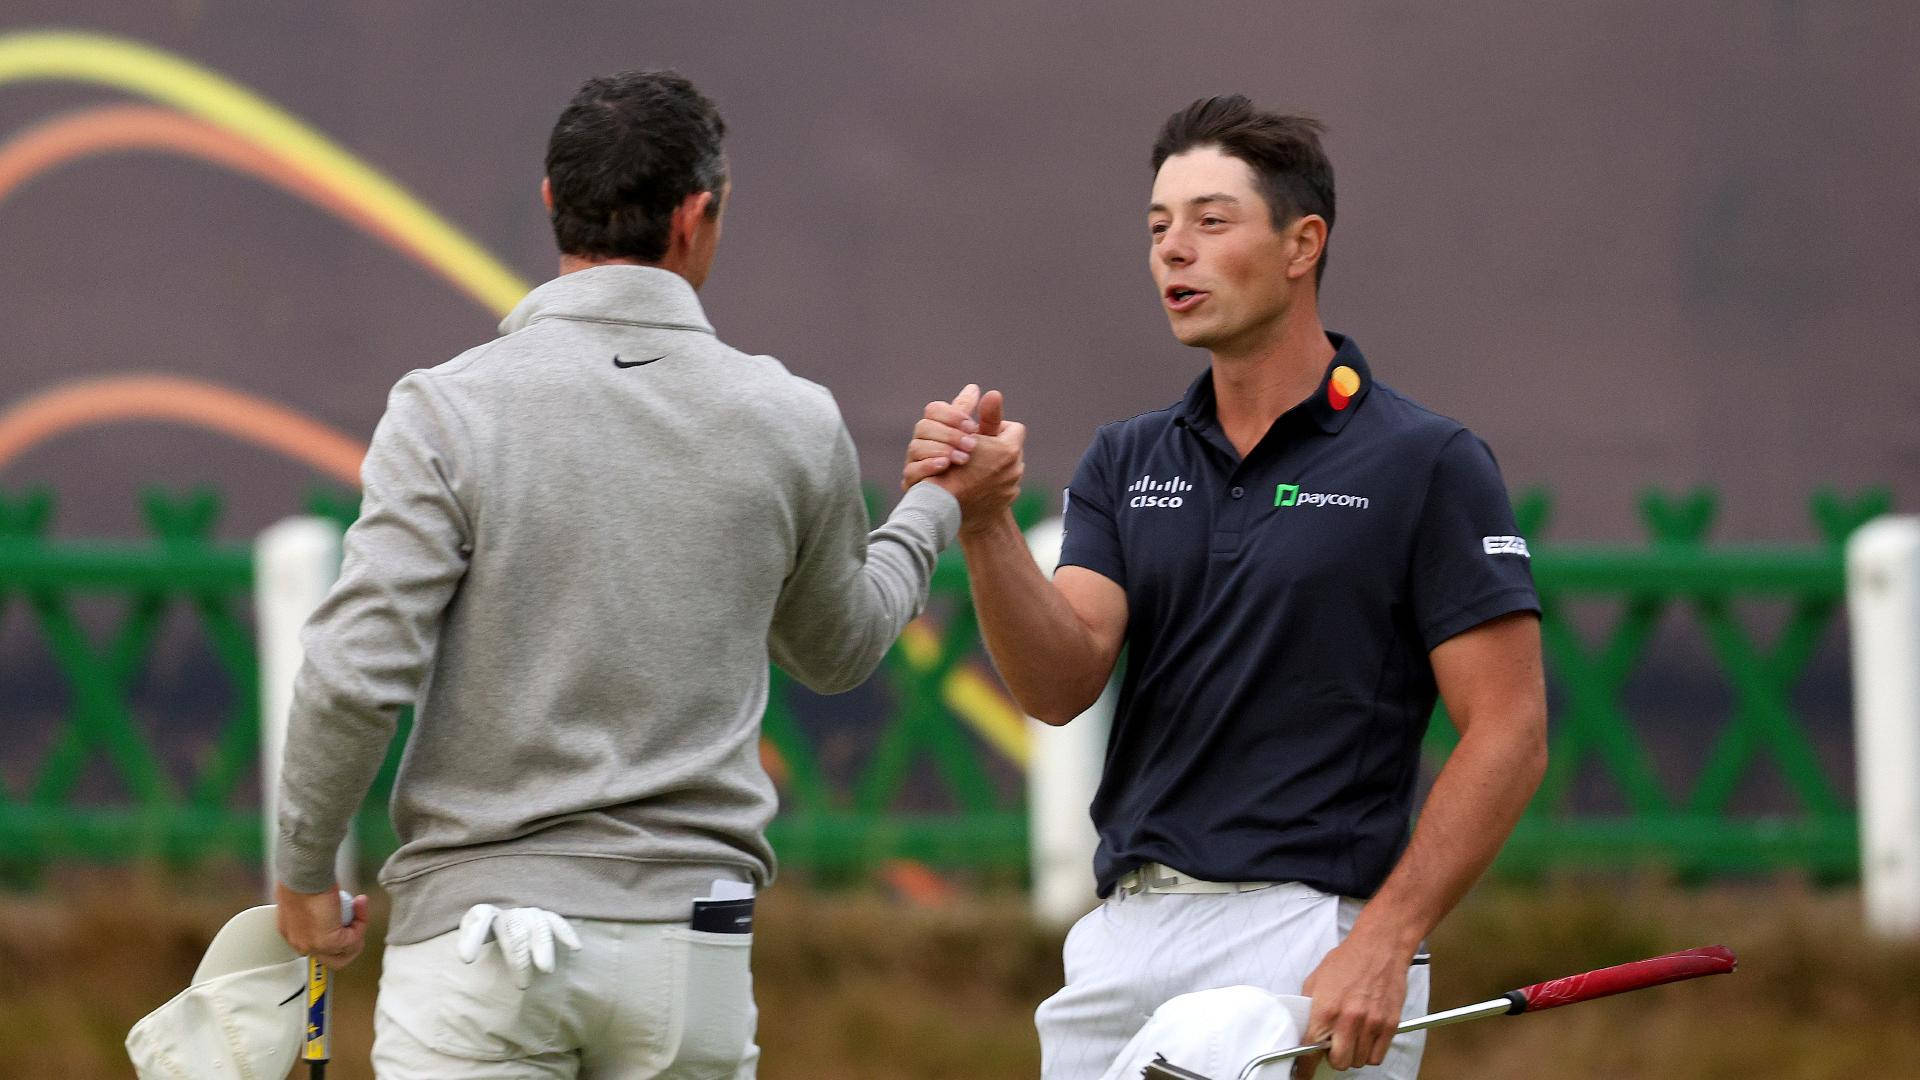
x=937 y=506
x=303 y=867
x=1110 y=572
x=1484 y=609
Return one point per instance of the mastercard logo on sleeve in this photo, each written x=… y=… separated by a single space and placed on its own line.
x=1341 y=386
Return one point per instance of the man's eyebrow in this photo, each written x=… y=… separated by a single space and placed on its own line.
x=1198 y=200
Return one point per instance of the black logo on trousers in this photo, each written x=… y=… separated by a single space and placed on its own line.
x=619 y=363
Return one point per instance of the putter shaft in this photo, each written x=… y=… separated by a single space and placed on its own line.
x=1461 y=1015
x=1163 y=1069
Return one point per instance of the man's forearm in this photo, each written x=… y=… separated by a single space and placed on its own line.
x=1474 y=804
x=853 y=592
x=331 y=761
x=1045 y=654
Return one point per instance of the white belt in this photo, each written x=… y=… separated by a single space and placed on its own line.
x=1156 y=878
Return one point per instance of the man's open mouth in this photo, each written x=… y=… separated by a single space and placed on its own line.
x=1180 y=297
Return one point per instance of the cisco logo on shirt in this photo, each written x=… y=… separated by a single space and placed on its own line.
x=1171 y=490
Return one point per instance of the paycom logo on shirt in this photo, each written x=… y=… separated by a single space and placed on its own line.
x=1291 y=495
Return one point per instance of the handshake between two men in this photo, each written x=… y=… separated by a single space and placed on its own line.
x=968 y=447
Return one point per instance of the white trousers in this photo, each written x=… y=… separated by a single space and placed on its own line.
x=639 y=1001
x=1132 y=953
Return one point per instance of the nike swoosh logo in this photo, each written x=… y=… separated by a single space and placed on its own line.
x=617 y=362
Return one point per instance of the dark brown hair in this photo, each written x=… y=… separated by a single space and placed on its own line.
x=626 y=151
x=1290 y=168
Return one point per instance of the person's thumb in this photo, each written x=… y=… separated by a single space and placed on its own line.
x=967 y=398
x=992 y=407
x=1014 y=434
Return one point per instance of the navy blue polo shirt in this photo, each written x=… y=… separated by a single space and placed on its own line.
x=1280 y=612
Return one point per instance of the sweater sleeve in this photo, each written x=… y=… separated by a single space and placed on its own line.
x=851 y=592
x=369 y=645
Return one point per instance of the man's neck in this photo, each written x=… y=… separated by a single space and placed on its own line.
x=573 y=263
x=1254 y=385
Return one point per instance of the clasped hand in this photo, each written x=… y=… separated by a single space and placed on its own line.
x=979 y=460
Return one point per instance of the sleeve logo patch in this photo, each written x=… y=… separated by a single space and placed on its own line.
x=1506 y=545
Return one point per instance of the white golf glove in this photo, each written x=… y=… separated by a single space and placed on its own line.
x=526 y=937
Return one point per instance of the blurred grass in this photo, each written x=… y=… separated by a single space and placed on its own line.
x=857 y=986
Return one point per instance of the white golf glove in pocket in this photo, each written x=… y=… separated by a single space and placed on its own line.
x=526 y=936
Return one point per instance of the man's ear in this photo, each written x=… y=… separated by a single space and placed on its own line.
x=1309 y=237
x=687 y=218
x=546 y=193
x=690 y=214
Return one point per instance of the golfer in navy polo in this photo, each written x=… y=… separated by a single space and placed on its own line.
x=1298 y=560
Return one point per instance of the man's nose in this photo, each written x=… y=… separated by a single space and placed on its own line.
x=1175 y=251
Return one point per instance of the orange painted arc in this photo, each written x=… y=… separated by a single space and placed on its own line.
x=93 y=402
x=113 y=128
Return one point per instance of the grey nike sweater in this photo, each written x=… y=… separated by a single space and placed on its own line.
x=578 y=547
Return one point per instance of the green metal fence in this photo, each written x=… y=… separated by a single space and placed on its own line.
x=855 y=817
x=1693 y=832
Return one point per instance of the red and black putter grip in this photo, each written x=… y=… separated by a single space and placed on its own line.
x=1674 y=967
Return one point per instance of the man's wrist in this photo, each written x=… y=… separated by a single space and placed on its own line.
x=1384 y=931
x=986 y=527
x=303 y=868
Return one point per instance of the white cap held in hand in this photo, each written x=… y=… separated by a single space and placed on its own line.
x=243 y=1015
x=1216 y=1032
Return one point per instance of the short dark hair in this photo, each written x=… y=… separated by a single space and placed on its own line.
x=626 y=151
x=1283 y=151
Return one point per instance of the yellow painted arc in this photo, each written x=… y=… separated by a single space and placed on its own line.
x=47 y=55
x=975 y=699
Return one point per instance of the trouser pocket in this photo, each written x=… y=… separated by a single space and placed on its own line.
x=472 y=1011
x=716 y=1004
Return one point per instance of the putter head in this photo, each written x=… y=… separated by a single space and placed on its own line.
x=1162 y=1069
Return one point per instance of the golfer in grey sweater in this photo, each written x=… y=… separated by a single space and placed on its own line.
x=579 y=546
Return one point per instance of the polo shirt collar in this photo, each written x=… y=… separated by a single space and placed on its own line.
x=1343 y=386
x=637 y=295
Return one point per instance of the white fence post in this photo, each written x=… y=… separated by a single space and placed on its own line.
x=295 y=562
x=1062 y=773
x=1883 y=614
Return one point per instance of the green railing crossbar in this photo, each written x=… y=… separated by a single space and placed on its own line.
x=1672 y=570
x=1694 y=843
x=238 y=748
x=1593 y=719
x=101 y=566
x=924 y=723
x=100 y=719
x=1761 y=716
